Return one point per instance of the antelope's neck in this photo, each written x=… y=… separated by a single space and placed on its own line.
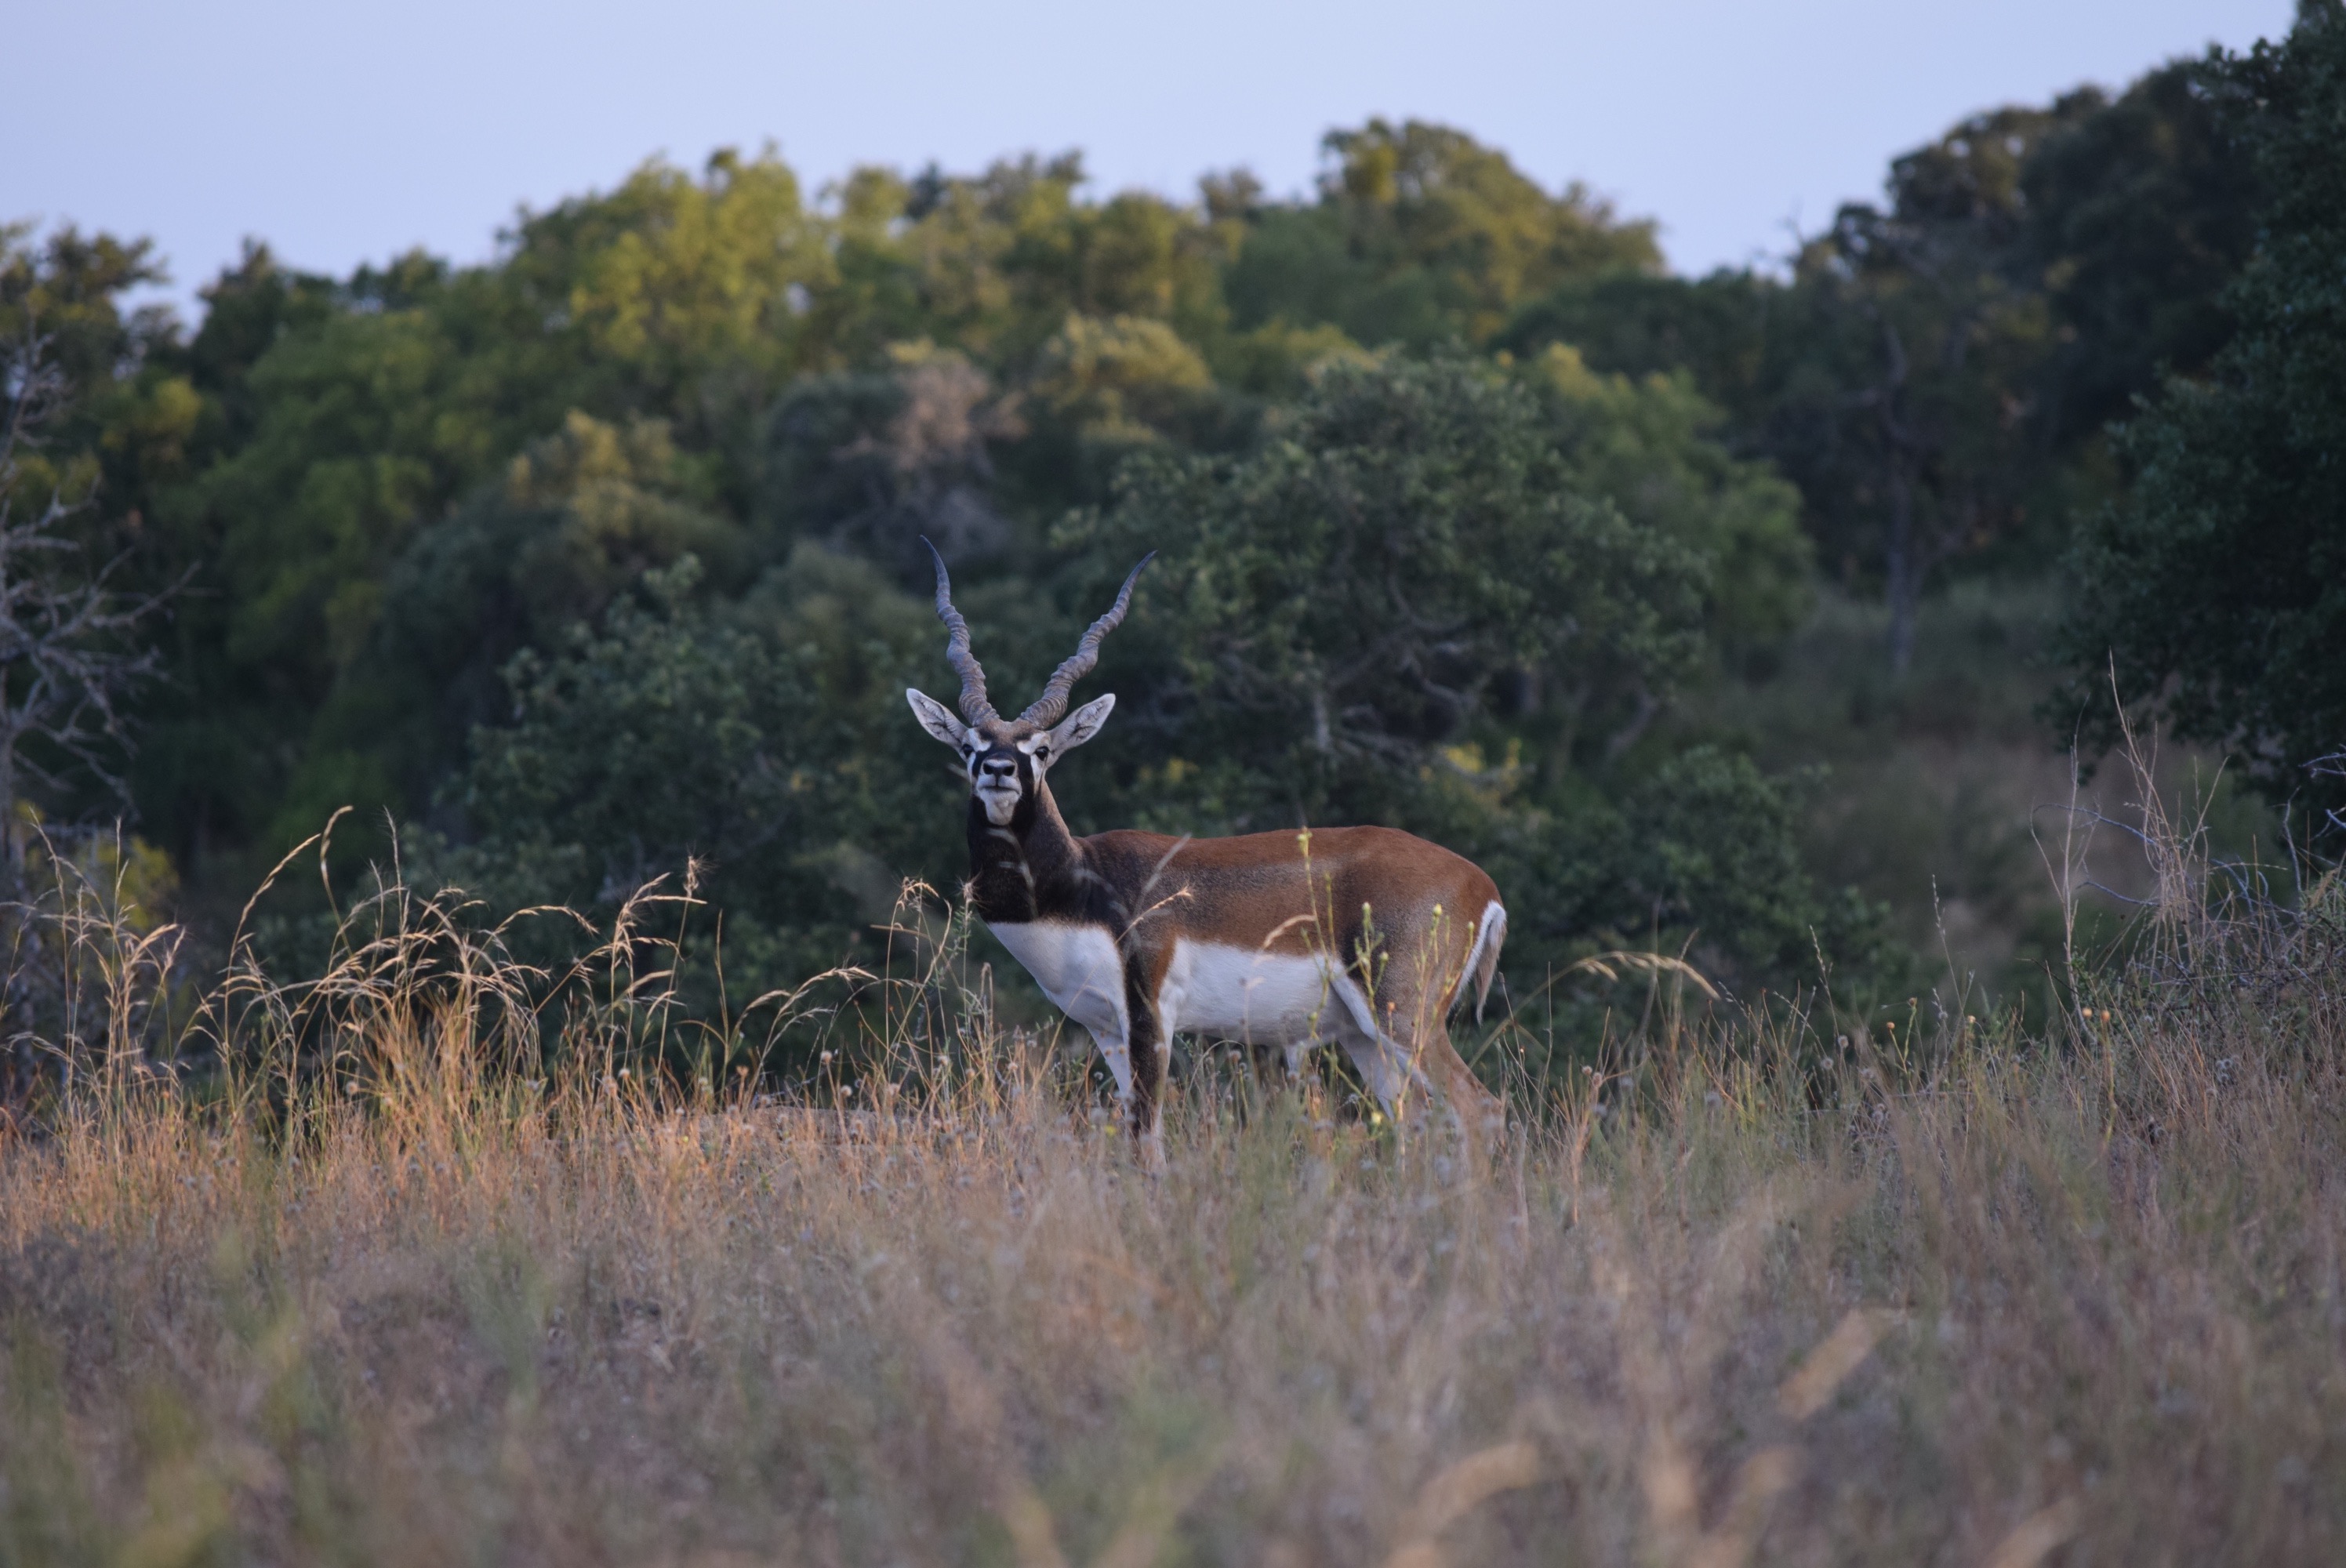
x=1031 y=869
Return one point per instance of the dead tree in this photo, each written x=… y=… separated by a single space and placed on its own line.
x=69 y=652
x=69 y=655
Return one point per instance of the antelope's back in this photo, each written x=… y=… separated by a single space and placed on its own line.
x=1290 y=891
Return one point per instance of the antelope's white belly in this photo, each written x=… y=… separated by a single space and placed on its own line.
x=1244 y=993
x=1078 y=968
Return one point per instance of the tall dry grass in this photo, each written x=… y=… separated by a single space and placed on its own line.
x=401 y=1285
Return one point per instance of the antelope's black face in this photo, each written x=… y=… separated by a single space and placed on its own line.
x=1001 y=774
x=1007 y=760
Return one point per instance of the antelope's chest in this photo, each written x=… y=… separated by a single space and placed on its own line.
x=1078 y=968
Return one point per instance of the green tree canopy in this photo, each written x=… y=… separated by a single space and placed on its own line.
x=1352 y=595
x=759 y=741
x=2215 y=595
x=2139 y=213
x=1935 y=374
x=1421 y=234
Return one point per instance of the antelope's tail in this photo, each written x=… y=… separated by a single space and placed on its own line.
x=1482 y=958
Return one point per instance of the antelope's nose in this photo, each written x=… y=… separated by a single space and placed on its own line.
x=997 y=771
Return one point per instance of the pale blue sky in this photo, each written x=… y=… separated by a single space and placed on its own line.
x=340 y=137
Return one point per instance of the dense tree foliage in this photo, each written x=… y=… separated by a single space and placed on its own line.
x=759 y=738
x=1935 y=374
x=1411 y=551
x=602 y=558
x=1420 y=235
x=2215 y=594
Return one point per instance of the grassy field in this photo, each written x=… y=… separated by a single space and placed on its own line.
x=1763 y=1289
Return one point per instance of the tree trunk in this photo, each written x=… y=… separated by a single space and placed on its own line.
x=1902 y=564
x=10 y=828
x=1903 y=570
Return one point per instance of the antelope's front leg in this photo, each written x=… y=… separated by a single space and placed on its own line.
x=1138 y=1070
x=1116 y=1051
x=1150 y=1042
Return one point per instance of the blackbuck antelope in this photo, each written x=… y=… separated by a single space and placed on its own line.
x=1359 y=936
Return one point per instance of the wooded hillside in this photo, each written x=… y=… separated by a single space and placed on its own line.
x=603 y=557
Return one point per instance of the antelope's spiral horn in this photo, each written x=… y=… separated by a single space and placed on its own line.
x=973 y=705
x=1054 y=701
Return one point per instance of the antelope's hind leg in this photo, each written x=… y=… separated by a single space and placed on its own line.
x=1421 y=995
x=1409 y=1050
x=1479 y=1112
x=1381 y=1060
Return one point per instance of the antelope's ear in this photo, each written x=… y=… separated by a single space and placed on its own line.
x=1079 y=725
x=937 y=719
